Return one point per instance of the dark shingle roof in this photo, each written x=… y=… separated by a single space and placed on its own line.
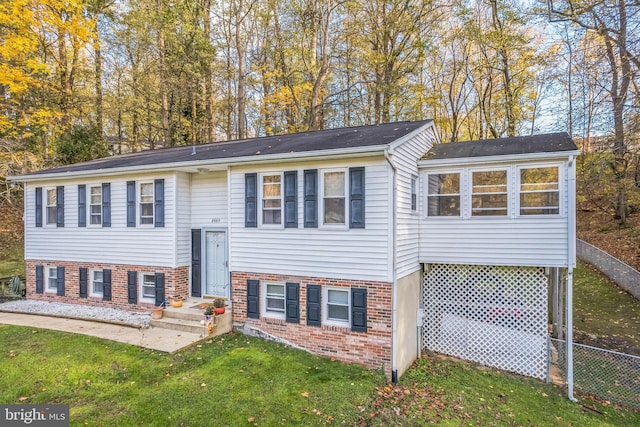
x=548 y=143
x=343 y=138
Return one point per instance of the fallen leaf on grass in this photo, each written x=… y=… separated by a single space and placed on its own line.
x=251 y=419
x=22 y=398
x=305 y=394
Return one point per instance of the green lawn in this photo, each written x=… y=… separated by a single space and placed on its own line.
x=602 y=309
x=237 y=380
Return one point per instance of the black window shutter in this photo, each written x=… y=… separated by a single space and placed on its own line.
x=39 y=279
x=60 y=281
x=38 y=206
x=251 y=200
x=131 y=203
x=82 y=205
x=83 y=282
x=311 y=198
x=159 y=288
x=253 y=299
x=159 y=202
x=356 y=197
x=196 y=262
x=106 y=204
x=359 y=309
x=60 y=206
x=132 y=287
x=106 y=284
x=292 y=302
x=313 y=305
x=291 y=199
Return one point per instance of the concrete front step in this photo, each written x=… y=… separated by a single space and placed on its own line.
x=186 y=322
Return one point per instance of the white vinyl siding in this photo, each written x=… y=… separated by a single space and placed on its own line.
x=119 y=244
x=405 y=157
x=318 y=252
x=510 y=240
x=183 y=218
x=209 y=200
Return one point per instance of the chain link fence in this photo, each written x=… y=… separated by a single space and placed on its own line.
x=606 y=374
x=625 y=276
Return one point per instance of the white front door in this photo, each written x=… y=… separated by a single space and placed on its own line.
x=216 y=283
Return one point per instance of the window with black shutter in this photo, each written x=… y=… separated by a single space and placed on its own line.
x=311 y=198
x=83 y=276
x=132 y=287
x=60 y=281
x=38 y=206
x=313 y=305
x=158 y=202
x=356 y=197
x=82 y=205
x=39 y=279
x=359 y=309
x=159 y=288
x=60 y=206
x=291 y=199
x=253 y=299
x=131 y=203
x=106 y=284
x=251 y=200
x=106 y=204
x=292 y=302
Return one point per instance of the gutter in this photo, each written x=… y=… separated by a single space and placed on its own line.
x=394 y=299
x=571 y=255
x=504 y=158
x=223 y=163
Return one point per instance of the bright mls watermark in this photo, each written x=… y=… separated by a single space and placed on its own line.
x=34 y=415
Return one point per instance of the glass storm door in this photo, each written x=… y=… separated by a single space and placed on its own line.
x=216 y=282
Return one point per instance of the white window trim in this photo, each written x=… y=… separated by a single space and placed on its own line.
x=263 y=304
x=139 y=185
x=45 y=207
x=88 y=220
x=141 y=297
x=461 y=176
x=325 y=307
x=561 y=210
x=91 y=280
x=260 y=199
x=321 y=222
x=469 y=197
x=47 y=287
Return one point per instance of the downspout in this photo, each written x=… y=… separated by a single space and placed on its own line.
x=394 y=299
x=571 y=242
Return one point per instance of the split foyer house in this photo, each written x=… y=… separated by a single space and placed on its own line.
x=367 y=244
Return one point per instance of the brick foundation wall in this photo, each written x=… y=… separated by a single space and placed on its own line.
x=176 y=284
x=371 y=349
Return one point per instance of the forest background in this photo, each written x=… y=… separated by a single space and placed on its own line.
x=81 y=79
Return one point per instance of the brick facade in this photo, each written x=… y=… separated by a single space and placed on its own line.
x=176 y=283
x=371 y=349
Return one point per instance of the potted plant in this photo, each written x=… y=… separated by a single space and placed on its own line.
x=176 y=302
x=208 y=311
x=218 y=306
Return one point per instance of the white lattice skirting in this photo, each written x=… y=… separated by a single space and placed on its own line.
x=496 y=316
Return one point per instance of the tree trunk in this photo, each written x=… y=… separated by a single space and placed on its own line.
x=98 y=80
x=164 y=106
x=208 y=75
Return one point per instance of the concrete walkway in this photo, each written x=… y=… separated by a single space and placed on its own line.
x=153 y=338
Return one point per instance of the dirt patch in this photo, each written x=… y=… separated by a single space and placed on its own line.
x=612 y=343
